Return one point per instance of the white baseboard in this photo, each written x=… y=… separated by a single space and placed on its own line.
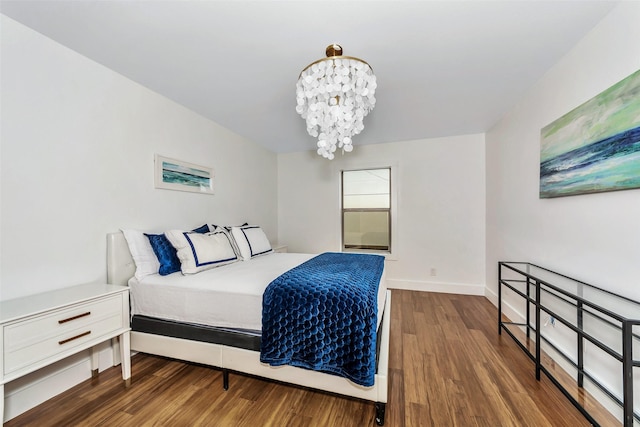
x=33 y=389
x=441 y=287
x=508 y=310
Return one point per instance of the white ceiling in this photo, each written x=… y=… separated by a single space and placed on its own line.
x=443 y=67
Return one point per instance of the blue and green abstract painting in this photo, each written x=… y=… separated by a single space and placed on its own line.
x=596 y=146
x=178 y=174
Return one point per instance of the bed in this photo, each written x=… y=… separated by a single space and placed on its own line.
x=231 y=345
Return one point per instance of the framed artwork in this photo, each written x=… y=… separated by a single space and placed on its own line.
x=172 y=174
x=596 y=146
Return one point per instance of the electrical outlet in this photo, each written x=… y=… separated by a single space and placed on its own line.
x=433 y=271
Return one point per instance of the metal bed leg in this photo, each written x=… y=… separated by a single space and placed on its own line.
x=225 y=379
x=380 y=408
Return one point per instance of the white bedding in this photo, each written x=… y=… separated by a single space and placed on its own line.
x=228 y=296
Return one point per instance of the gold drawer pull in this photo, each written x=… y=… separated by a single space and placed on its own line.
x=74 y=317
x=74 y=338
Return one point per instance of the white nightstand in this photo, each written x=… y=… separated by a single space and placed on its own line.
x=279 y=248
x=41 y=329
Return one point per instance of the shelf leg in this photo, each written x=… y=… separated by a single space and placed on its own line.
x=627 y=373
x=499 y=298
x=528 y=307
x=538 y=364
x=580 y=345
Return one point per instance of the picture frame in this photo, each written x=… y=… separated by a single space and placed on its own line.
x=595 y=147
x=173 y=174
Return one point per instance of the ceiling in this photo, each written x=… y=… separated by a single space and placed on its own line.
x=443 y=67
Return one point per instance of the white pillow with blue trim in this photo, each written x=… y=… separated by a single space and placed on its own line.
x=251 y=241
x=198 y=252
x=142 y=253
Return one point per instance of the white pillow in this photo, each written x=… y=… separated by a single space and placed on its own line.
x=142 y=253
x=251 y=241
x=198 y=252
x=227 y=231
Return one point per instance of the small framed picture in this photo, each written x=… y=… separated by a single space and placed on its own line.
x=172 y=174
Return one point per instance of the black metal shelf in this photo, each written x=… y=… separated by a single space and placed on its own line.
x=612 y=310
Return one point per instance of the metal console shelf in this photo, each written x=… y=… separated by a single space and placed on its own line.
x=590 y=312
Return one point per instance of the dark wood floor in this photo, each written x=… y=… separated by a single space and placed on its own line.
x=448 y=367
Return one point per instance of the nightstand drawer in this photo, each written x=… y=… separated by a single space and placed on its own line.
x=34 y=339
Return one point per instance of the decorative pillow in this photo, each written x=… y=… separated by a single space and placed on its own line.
x=227 y=227
x=166 y=253
x=142 y=253
x=202 y=229
x=198 y=252
x=251 y=241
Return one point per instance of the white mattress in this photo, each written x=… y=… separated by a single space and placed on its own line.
x=228 y=296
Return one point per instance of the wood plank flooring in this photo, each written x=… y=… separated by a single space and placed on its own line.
x=448 y=367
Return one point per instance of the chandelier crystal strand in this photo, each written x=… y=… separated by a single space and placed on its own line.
x=334 y=95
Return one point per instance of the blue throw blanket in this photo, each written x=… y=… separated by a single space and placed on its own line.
x=322 y=315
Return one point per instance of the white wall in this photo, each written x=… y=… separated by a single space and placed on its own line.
x=596 y=237
x=439 y=208
x=77 y=148
x=78 y=142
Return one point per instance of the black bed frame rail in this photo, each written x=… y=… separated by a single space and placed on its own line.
x=535 y=288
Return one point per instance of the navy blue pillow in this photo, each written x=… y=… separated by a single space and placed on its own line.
x=202 y=229
x=166 y=253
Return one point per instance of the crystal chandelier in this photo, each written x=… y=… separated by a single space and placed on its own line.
x=333 y=95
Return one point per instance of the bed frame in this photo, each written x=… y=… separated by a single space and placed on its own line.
x=120 y=268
